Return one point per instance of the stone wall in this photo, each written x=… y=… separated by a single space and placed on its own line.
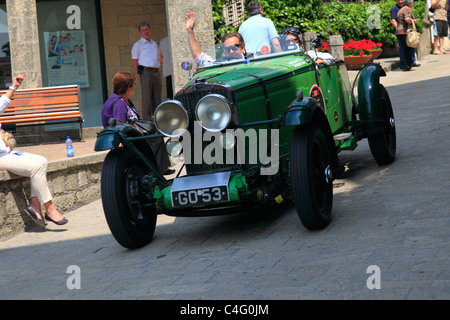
x=73 y=182
x=204 y=33
x=24 y=41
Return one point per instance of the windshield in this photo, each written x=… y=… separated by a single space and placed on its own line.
x=224 y=53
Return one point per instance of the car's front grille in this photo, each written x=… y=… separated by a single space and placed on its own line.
x=189 y=97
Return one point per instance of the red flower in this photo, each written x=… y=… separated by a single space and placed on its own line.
x=324 y=47
x=361 y=47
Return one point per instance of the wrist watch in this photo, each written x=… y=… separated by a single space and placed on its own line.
x=13 y=88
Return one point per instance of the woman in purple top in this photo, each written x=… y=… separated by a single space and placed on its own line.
x=123 y=108
x=120 y=107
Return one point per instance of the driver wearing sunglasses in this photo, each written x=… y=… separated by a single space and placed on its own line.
x=233 y=44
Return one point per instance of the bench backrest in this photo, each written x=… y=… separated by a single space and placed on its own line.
x=43 y=104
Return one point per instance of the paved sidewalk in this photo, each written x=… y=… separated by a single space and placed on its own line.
x=55 y=151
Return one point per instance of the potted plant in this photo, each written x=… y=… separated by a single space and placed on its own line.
x=375 y=49
x=356 y=54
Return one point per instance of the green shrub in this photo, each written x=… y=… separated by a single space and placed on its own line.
x=350 y=20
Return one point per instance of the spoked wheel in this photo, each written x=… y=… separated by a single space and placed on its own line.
x=383 y=145
x=130 y=217
x=312 y=185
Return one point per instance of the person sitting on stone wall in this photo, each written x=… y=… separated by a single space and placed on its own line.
x=28 y=165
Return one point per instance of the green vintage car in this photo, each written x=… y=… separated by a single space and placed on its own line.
x=252 y=132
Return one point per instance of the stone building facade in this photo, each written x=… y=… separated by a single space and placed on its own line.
x=107 y=29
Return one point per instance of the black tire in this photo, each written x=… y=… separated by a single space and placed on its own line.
x=383 y=145
x=131 y=223
x=312 y=186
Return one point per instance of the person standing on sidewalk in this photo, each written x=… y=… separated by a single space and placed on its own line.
x=145 y=63
x=404 y=19
x=28 y=165
x=393 y=14
x=440 y=17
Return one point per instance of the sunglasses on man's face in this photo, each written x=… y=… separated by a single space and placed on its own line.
x=233 y=48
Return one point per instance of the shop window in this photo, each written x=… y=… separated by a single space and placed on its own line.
x=72 y=52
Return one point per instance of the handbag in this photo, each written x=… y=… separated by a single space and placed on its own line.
x=144 y=126
x=8 y=139
x=412 y=36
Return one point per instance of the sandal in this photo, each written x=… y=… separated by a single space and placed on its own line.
x=32 y=214
x=59 y=223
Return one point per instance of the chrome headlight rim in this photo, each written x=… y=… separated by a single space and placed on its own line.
x=179 y=131
x=223 y=99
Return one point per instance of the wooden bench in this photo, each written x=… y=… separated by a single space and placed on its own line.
x=37 y=106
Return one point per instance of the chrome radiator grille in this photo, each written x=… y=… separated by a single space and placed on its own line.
x=189 y=97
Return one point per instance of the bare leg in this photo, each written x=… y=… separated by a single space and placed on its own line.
x=441 y=44
x=436 y=42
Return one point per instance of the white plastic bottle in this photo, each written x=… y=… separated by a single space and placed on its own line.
x=69 y=147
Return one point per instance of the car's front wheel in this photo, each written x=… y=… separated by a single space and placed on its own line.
x=129 y=216
x=383 y=145
x=312 y=185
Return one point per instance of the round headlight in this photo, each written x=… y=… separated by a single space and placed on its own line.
x=214 y=112
x=171 y=119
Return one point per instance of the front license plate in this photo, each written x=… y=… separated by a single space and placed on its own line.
x=199 y=196
x=200 y=190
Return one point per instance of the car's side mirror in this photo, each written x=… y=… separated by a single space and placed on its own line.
x=187 y=65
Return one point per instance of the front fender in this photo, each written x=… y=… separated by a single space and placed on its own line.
x=127 y=135
x=112 y=136
x=369 y=98
x=307 y=111
x=300 y=112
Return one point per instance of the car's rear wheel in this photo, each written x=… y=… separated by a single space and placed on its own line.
x=312 y=186
x=130 y=218
x=383 y=145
